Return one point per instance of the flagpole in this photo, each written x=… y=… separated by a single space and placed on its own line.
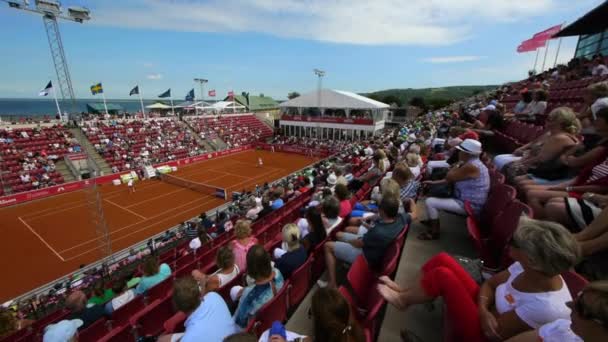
x=546 y=50
x=559 y=44
x=141 y=101
x=57 y=104
x=233 y=103
x=172 y=109
x=535 y=60
x=105 y=105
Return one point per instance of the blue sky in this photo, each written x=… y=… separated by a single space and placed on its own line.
x=271 y=46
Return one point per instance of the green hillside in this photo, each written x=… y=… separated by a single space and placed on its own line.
x=432 y=97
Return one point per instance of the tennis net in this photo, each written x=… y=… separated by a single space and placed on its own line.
x=196 y=186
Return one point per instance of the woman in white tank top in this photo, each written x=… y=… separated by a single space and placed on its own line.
x=227 y=271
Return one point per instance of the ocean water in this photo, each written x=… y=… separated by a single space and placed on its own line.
x=46 y=106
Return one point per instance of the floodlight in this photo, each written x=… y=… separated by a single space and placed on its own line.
x=48 y=6
x=79 y=14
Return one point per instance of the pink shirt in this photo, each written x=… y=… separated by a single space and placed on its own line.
x=240 y=252
x=345 y=208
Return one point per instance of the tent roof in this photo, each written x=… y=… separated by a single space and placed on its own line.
x=158 y=105
x=592 y=22
x=226 y=104
x=191 y=104
x=334 y=99
x=257 y=102
x=98 y=106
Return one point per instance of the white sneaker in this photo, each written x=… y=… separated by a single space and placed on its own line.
x=322 y=283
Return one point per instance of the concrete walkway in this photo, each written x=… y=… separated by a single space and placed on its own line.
x=419 y=320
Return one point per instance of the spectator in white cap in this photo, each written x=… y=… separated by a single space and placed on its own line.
x=471 y=182
x=63 y=331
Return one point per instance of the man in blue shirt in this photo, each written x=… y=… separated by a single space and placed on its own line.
x=277 y=201
x=208 y=319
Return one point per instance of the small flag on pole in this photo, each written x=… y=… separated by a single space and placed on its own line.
x=231 y=94
x=212 y=93
x=96 y=89
x=46 y=90
x=190 y=95
x=165 y=94
x=134 y=91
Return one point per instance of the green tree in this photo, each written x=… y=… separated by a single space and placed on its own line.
x=293 y=95
x=418 y=102
x=390 y=99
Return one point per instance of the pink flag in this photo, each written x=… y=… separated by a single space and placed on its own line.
x=548 y=33
x=212 y=93
x=231 y=94
x=530 y=45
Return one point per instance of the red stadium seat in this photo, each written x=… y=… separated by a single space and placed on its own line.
x=175 y=324
x=124 y=313
x=148 y=321
x=122 y=333
x=159 y=290
x=94 y=331
x=299 y=284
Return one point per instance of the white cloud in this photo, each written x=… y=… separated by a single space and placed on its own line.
x=411 y=22
x=148 y=65
x=452 y=59
x=154 y=76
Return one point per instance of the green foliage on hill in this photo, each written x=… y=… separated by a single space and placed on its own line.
x=427 y=97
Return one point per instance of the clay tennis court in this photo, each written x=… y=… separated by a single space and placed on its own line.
x=46 y=239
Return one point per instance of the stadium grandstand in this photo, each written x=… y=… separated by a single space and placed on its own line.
x=486 y=220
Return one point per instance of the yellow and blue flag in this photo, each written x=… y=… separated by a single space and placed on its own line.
x=96 y=89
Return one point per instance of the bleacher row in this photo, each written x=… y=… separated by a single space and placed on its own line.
x=123 y=145
x=154 y=313
x=233 y=130
x=492 y=231
x=38 y=147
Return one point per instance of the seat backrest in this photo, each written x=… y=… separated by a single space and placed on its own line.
x=391 y=258
x=300 y=281
x=122 y=314
x=360 y=277
x=575 y=282
x=175 y=324
x=499 y=198
x=149 y=321
x=505 y=224
x=318 y=262
x=159 y=290
x=224 y=291
x=119 y=334
x=274 y=310
x=94 y=331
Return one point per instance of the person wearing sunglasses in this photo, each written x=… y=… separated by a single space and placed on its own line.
x=588 y=319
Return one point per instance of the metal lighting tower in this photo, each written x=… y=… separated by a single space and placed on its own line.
x=202 y=82
x=51 y=11
x=320 y=74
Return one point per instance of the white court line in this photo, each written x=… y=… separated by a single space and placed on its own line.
x=125 y=209
x=153 y=198
x=41 y=239
x=135 y=231
x=133 y=224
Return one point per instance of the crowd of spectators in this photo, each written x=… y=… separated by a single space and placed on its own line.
x=132 y=144
x=560 y=174
x=28 y=156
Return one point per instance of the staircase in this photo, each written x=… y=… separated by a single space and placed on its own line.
x=204 y=143
x=62 y=168
x=219 y=143
x=90 y=150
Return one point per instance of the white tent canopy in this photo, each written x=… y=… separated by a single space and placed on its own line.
x=158 y=105
x=333 y=99
x=224 y=105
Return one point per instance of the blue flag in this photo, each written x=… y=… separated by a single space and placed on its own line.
x=190 y=95
x=134 y=91
x=165 y=94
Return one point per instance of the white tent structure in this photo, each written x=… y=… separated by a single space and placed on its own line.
x=223 y=107
x=335 y=99
x=158 y=105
